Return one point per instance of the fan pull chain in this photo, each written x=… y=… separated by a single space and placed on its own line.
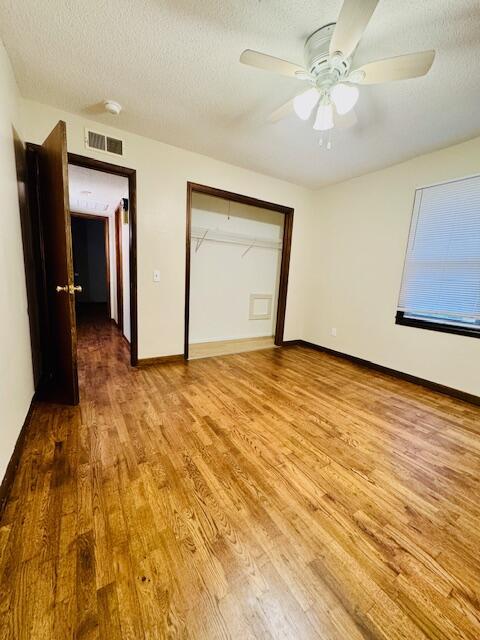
x=328 y=144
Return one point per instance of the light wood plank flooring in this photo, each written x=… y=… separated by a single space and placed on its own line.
x=226 y=347
x=274 y=494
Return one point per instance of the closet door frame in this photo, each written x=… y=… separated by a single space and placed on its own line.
x=193 y=187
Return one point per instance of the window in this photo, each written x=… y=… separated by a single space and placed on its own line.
x=441 y=278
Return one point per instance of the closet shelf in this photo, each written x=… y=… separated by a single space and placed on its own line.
x=204 y=234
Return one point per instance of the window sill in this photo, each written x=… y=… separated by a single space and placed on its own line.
x=435 y=326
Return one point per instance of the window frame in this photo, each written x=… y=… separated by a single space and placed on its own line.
x=401 y=318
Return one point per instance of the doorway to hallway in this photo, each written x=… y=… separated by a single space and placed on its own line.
x=56 y=286
x=100 y=222
x=91 y=265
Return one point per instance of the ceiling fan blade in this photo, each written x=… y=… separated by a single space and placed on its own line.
x=410 y=65
x=282 y=112
x=352 y=22
x=344 y=121
x=270 y=63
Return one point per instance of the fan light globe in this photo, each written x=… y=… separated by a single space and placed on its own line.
x=345 y=97
x=305 y=102
x=324 y=119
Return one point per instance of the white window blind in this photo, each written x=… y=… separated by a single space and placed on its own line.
x=441 y=276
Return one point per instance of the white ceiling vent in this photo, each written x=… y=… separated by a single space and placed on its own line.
x=101 y=142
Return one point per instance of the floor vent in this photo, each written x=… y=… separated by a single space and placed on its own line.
x=100 y=142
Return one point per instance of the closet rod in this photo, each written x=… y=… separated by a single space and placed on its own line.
x=258 y=243
x=200 y=234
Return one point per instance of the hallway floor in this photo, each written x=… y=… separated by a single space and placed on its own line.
x=273 y=494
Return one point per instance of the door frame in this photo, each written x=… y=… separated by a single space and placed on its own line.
x=119 y=266
x=193 y=187
x=106 y=234
x=107 y=167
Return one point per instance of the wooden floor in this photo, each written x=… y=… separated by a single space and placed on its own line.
x=275 y=494
x=226 y=347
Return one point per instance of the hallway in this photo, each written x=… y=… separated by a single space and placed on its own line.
x=191 y=501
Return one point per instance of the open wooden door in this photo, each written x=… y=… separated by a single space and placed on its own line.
x=59 y=266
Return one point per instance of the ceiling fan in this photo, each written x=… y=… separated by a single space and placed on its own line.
x=329 y=68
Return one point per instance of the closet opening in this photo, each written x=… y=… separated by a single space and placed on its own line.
x=237 y=261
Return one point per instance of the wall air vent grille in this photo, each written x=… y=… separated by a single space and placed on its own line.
x=106 y=144
x=96 y=141
x=115 y=146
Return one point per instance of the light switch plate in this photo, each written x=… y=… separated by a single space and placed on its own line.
x=156 y=275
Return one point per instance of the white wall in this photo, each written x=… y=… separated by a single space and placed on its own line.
x=356 y=253
x=16 y=377
x=162 y=175
x=221 y=280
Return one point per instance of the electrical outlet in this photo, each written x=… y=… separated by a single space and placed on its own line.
x=156 y=275
x=333 y=332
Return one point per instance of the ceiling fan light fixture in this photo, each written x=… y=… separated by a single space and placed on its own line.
x=329 y=67
x=344 y=97
x=304 y=103
x=324 y=119
x=357 y=76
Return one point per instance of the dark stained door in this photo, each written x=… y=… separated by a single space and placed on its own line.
x=119 y=268
x=59 y=266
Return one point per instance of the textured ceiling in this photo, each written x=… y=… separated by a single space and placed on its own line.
x=173 y=64
x=95 y=192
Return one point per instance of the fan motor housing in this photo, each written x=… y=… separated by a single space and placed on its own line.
x=318 y=61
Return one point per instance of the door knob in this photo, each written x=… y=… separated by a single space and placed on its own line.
x=73 y=288
x=60 y=289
